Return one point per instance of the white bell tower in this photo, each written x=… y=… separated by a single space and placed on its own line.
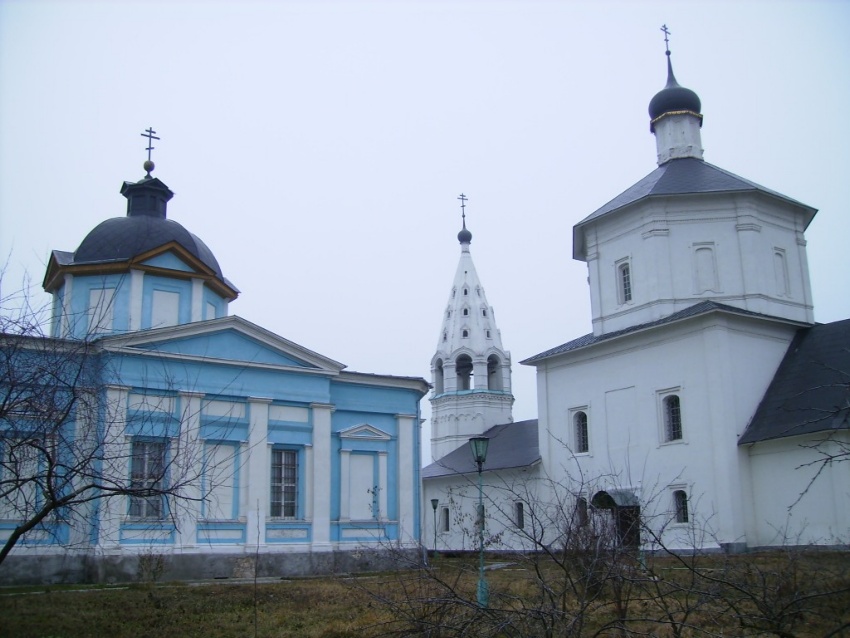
x=470 y=371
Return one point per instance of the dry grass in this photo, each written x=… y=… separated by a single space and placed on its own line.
x=441 y=602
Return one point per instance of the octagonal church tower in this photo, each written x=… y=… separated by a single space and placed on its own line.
x=470 y=370
x=136 y=272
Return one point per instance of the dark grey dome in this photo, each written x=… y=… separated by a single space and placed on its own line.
x=143 y=229
x=122 y=238
x=464 y=236
x=673 y=97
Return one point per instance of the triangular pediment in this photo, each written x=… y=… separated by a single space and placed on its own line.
x=169 y=260
x=365 y=432
x=226 y=340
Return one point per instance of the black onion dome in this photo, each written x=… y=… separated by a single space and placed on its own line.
x=464 y=236
x=143 y=229
x=122 y=238
x=673 y=97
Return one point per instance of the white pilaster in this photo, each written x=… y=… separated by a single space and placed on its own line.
x=344 y=485
x=407 y=488
x=188 y=467
x=197 y=299
x=137 y=286
x=321 y=413
x=67 y=320
x=382 y=482
x=116 y=466
x=258 y=470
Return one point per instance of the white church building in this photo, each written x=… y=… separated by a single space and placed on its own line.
x=282 y=462
x=703 y=407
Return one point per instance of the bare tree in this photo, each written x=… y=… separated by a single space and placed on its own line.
x=64 y=454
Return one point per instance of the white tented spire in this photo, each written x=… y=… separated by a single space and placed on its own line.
x=470 y=370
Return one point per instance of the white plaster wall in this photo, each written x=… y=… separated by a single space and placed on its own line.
x=719 y=365
x=658 y=239
x=792 y=503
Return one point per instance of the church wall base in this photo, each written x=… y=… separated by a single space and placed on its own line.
x=27 y=570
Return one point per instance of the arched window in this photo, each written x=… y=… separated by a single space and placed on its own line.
x=466 y=312
x=582 y=441
x=463 y=368
x=438 y=377
x=464 y=333
x=519 y=515
x=680 y=502
x=672 y=418
x=484 y=312
x=624 y=282
x=494 y=373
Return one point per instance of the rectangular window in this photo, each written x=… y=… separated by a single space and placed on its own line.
x=284 y=484
x=673 y=417
x=147 y=479
x=101 y=307
x=166 y=309
x=444 y=519
x=519 y=513
x=680 y=502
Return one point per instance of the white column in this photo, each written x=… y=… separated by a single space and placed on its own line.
x=344 y=486
x=187 y=465
x=321 y=479
x=407 y=475
x=137 y=287
x=116 y=465
x=197 y=299
x=383 y=484
x=258 y=471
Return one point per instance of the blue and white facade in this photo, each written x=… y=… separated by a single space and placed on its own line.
x=284 y=462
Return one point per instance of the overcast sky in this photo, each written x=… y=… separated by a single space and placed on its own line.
x=318 y=147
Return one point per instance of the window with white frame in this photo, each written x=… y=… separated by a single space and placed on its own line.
x=147 y=479
x=680 y=506
x=101 y=310
x=445 y=524
x=581 y=437
x=624 y=281
x=284 y=484
x=672 y=412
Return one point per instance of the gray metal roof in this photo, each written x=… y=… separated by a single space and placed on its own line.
x=701 y=308
x=810 y=391
x=512 y=446
x=683 y=176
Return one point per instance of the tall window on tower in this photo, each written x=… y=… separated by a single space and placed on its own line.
x=284 y=484
x=624 y=281
x=463 y=369
x=582 y=440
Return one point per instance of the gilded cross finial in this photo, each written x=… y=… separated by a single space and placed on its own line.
x=666 y=38
x=463 y=199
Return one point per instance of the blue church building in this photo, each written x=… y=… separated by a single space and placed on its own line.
x=277 y=460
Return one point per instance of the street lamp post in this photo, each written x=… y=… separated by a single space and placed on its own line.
x=479 y=453
x=434 y=503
